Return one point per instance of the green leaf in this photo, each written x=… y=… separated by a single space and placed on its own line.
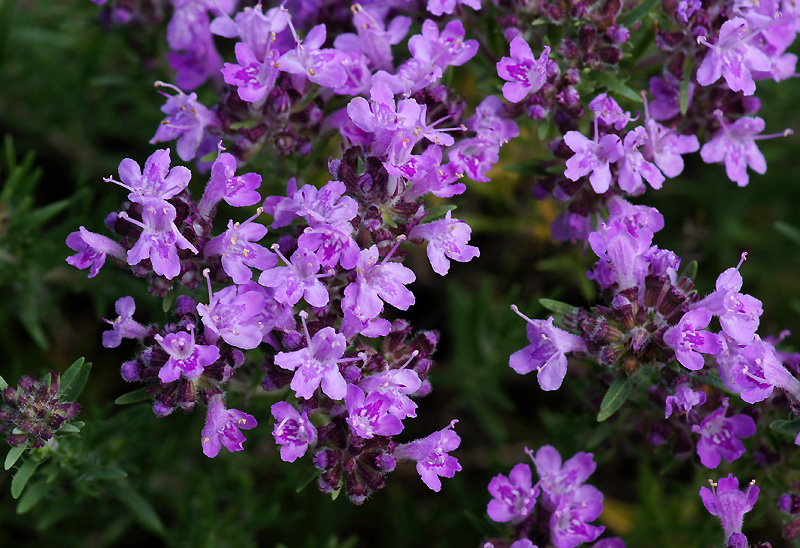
x=3 y=384
x=67 y=428
x=617 y=394
x=69 y=375
x=690 y=270
x=23 y=475
x=33 y=495
x=133 y=397
x=335 y=494
x=439 y=211
x=786 y=427
x=543 y=129
x=143 y=510
x=75 y=381
x=789 y=231
x=684 y=96
x=14 y=454
x=103 y=472
x=615 y=86
x=167 y=301
x=637 y=13
x=557 y=306
x=310 y=476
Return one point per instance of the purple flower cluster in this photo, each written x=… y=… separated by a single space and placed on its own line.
x=559 y=507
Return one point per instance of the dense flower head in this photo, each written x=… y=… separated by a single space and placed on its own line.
x=35 y=410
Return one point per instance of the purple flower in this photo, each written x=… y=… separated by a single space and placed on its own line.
x=324 y=206
x=377 y=282
x=373 y=38
x=475 y=157
x=738 y=313
x=320 y=66
x=633 y=167
x=514 y=497
x=447 y=239
x=236 y=190
x=252 y=77
x=719 y=436
x=683 y=400
x=592 y=157
x=293 y=431
x=185 y=357
x=396 y=385
x=735 y=145
x=666 y=101
x=728 y=503
x=623 y=255
x=317 y=364
x=253 y=26
x=547 y=352
x=608 y=112
x=368 y=416
x=524 y=73
x=157 y=180
x=223 y=427
x=186 y=121
x=664 y=147
x=431 y=456
x=381 y=117
x=235 y=313
x=561 y=480
x=299 y=279
x=239 y=252
x=124 y=326
x=439 y=7
x=732 y=57
x=689 y=340
x=159 y=239
x=92 y=250
x=568 y=523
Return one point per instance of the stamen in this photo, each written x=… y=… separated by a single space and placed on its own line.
x=303 y=315
x=520 y=314
x=400 y=239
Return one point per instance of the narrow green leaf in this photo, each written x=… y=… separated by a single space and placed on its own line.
x=539 y=21
x=67 y=428
x=684 y=96
x=615 y=86
x=133 y=397
x=103 y=472
x=23 y=475
x=69 y=374
x=439 y=211
x=786 y=427
x=32 y=496
x=310 y=476
x=637 y=13
x=141 y=509
x=543 y=129
x=789 y=231
x=3 y=383
x=690 y=270
x=72 y=390
x=335 y=494
x=167 y=301
x=557 y=306
x=13 y=455
x=617 y=394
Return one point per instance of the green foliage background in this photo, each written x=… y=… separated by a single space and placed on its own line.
x=76 y=98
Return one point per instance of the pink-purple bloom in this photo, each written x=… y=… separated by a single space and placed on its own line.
x=293 y=431
x=124 y=326
x=317 y=365
x=689 y=339
x=185 y=356
x=223 y=427
x=239 y=251
x=735 y=145
x=592 y=157
x=156 y=180
x=368 y=415
x=514 y=496
x=431 y=454
x=726 y=501
x=447 y=239
x=523 y=72
x=720 y=436
x=92 y=250
x=547 y=353
x=684 y=399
